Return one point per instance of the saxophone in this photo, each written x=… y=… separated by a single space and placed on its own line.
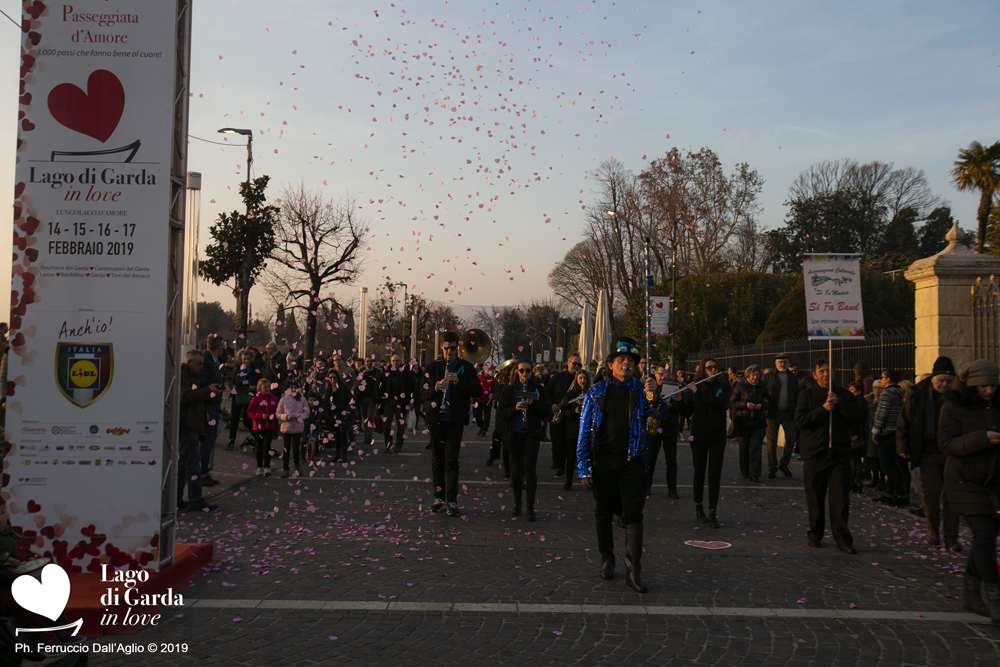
x=652 y=426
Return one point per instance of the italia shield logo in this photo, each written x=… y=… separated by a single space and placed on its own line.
x=84 y=371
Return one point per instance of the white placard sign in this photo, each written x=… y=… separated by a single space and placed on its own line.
x=833 y=296
x=84 y=451
x=660 y=309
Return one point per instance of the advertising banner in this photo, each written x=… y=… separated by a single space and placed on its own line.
x=660 y=308
x=84 y=438
x=833 y=296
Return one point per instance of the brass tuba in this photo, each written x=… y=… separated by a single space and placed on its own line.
x=475 y=346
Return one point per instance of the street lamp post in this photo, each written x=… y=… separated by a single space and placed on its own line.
x=244 y=278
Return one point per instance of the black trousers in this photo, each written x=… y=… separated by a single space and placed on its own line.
x=824 y=475
x=293 y=444
x=619 y=488
x=708 y=457
x=523 y=464
x=482 y=411
x=667 y=441
x=559 y=444
x=446 y=440
x=784 y=420
x=751 y=441
x=572 y=437
x=935 y=500
x=393 y=425
x=983 y=555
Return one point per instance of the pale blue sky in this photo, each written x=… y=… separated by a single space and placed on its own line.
x=780 y=85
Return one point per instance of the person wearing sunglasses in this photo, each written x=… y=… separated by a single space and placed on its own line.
x=449 y=386
x=612 y=457
x=559 y=384
x=524 y=407
x=708 y=435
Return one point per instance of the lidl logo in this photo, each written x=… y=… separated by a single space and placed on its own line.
x=84 y=371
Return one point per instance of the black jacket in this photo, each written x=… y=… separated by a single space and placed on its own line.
x=399 y=400
x=772 y=384
x=711 y=401
x=462 y=394
x=210 y=374
x=559 y=383
x=539 y=411
x=911 y=424
x=194 y=398
x=972 y=470
x=813 y=422
x=744 y=393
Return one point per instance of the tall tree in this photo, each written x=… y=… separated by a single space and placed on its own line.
x=930 y=236
x=242 y=242
x=841 y=221
x=317 y=245
x=978 y=168
x=695 y=207
x=880 y=182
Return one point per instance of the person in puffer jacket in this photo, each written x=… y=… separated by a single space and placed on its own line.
x=292 y=412
x=969 y=433
x=262 y=411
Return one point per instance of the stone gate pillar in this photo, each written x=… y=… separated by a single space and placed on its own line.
x=943 y=322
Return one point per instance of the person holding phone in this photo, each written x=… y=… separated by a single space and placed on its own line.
x=969 y=434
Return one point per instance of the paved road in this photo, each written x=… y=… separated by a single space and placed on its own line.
x=347 y=564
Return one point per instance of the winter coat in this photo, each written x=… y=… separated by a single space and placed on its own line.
x=887 y=414
x=588 y=447
x=711 y=402
x=460 y=396
x=971 y=470
x=292 y=413
x=388 y=399
x=194 y=399
x=744 y=393
x=262 y=411
x=911 y=437
x=539 y=412
x=813 y=422
x=772 y=383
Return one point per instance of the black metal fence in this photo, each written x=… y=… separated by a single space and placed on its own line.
x=985 y=320
x=892 y=348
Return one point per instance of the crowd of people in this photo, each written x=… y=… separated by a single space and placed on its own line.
x=940 y=434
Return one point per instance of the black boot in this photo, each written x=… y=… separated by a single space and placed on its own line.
x=974 y=596
x=606 y=546
x=712 y=521
x=633 y=556
x=993 y=603
x=700 y=513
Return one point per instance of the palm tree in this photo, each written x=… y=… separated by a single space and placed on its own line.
x=978 y=168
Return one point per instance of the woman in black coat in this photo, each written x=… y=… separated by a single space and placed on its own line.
x=569 y=410
x=524 y=420
x=969 y=434
x=750 y=404
x=708 y=435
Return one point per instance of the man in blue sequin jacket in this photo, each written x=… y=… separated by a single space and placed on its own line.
x=612 y=458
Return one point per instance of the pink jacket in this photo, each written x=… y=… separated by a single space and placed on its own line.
x=292 y=413
x=261 y=410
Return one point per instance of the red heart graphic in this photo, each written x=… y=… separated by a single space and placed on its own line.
x=708 y=545
x=33 y=507
x=659 y=304
x=108 y=275
x=27 y=125
x=58 y=274
x=95 y=113
x=89 y=530
x=19 y=190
